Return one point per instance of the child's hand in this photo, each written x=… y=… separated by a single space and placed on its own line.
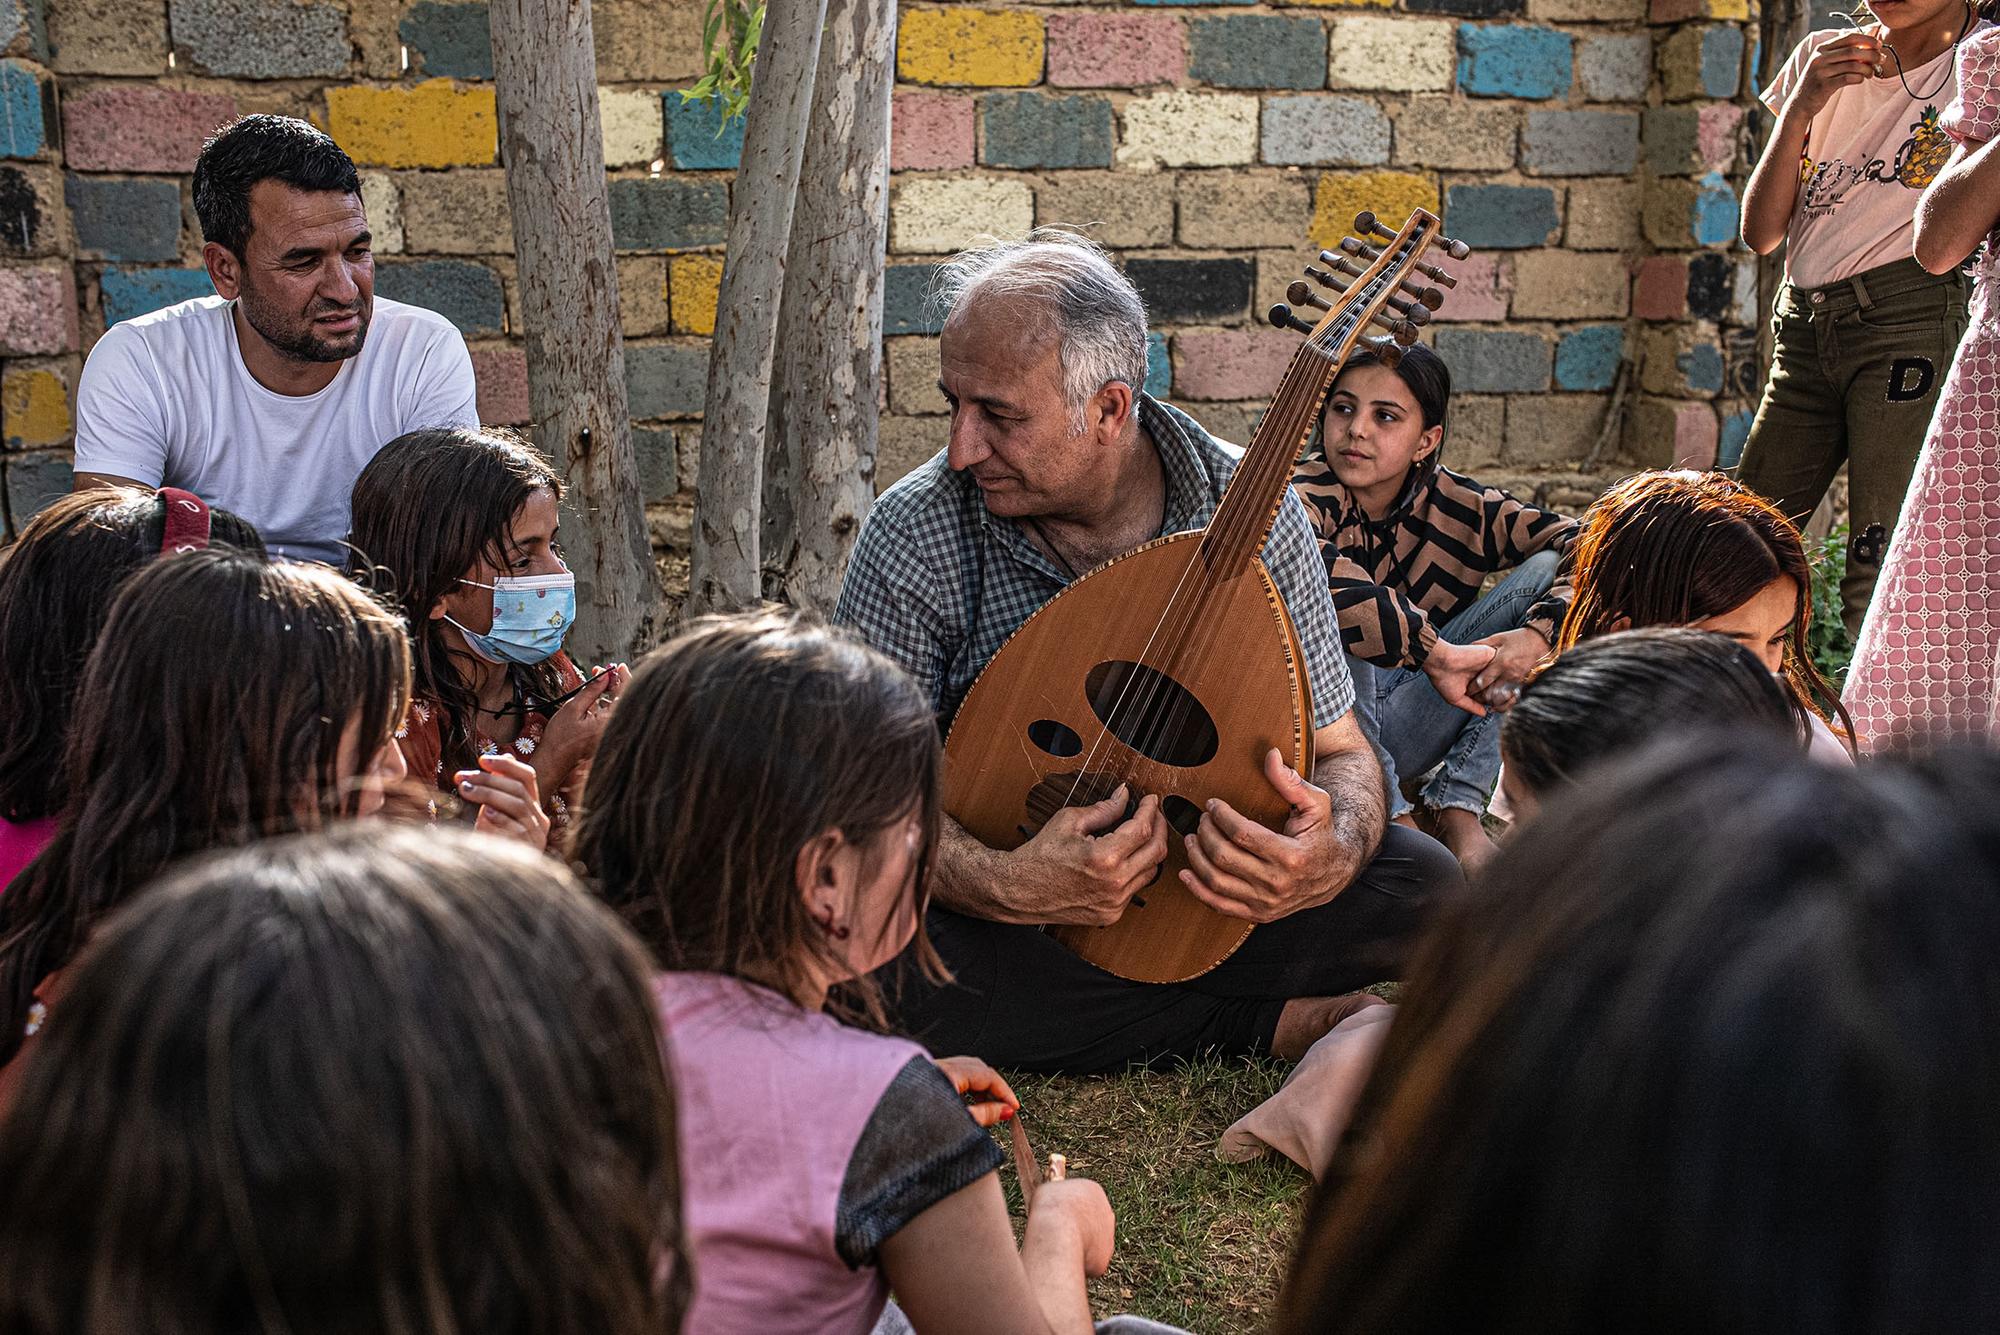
x=1451 y=668
x=1078 y=1203
x=509 y=799
x=1515 y=654
x=1848 y=59
x=573 y=731
x=969 y=1075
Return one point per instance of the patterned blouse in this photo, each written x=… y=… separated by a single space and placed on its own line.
x=422 y=740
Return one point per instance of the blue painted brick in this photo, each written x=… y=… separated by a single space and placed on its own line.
x=692 y=137
x=453 y=40
x=1513 y=61
x=663 y=213
x=1159 y=370
x=133 y=292
x=1701 y=367
x=23 y=99
x=1588 y=358
x=906 y=300
x=1716 y=212
x=125 y=220
x=1735 y=432
x=33 y=482
x=1495 y=361
x=464 y=293
x=1467 y=9
x=665 y=379
x=1258 y=51
x=1580 y=143
x=1721 y=60
x=1501 y=217
x=1030 y=130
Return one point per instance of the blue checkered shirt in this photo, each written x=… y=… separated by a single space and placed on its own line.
x=939 y=583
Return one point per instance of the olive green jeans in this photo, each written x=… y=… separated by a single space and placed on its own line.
x=1854 y=379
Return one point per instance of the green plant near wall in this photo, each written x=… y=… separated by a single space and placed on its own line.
x=1827 y=638
x=730 y=31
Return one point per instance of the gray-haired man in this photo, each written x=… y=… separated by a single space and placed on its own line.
x=1057 y=462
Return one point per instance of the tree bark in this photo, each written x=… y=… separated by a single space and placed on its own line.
x=826 y=407
x=545 y=69
x=726 y=561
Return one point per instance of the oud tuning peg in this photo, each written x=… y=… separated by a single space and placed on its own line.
x=1390 y=351
x=1458 y=250
x=1415 y=312
x=1403 y=331
x=1361 y=248
x=1367 y=224
x=1327 y=279
x=1342 y=264
x=1300 y=293
x=1428 y=296
x=1432 y=272
x=1281 y=316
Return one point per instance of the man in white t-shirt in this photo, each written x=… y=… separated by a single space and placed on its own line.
x=270 y=398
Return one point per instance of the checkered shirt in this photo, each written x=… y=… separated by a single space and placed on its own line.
x=939 y=583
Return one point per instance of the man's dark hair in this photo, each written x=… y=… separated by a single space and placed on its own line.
x=262 y=148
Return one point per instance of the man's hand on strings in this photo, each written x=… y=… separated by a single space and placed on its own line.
x=1239 y=868
x=994 y=1102
x=1085 y=865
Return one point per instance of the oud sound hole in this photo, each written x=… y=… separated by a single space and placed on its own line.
x=1182 y=814
x=1151 y=713
x=1054 y=738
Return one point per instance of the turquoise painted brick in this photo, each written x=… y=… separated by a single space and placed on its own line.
x=665 y=380
x=1159 y=370
x=464 y=293
x=1701 y=367
x=1501 y=217
x=1735 y=432
x=1025 y=131
x=1716 y=212
x=125 y=219
x=1721 y=61
x=692 y=138
x=906 y=304
x=1580 y=143
x=1495 y=361
x=453 y=40
x=1587 y=359
x=1258 y=51
x=1508 y=61
x=23 y=132
x=665 y=213
x=1308 y=130
x=33 y=482
x=128 y=293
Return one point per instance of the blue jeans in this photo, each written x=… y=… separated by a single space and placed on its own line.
x=1414 y=730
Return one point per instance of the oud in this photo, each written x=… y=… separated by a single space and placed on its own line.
x=1175 y=669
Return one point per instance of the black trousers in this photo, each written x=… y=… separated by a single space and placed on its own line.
x=1021 y=1001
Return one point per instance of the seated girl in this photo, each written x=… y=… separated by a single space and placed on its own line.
x=1408 y=545
x=1683 y=548
x=228 y=699
x=56 y=584
x=763 y=811
x=457 y=529
x=384 y=1080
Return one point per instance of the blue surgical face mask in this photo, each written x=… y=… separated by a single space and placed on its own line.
x=531 y=615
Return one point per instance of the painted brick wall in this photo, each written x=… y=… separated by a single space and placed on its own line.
x=1590 y=150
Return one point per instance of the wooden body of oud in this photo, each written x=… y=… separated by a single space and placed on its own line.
x=1242 y=662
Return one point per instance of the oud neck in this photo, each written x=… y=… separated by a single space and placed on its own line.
x=1249 y=506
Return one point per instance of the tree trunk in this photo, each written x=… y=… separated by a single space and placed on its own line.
x=546 y=72
x=826 y=410
x=725 y=568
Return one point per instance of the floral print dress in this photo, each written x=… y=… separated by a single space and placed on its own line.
x=422 y=741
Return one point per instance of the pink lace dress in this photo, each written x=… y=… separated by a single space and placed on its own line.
x=1928 y=664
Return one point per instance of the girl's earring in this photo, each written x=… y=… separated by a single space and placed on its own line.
x=826 y=925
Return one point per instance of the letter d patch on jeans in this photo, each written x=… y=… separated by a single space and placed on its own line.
x=1911 y=378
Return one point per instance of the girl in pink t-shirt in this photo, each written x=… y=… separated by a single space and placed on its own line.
x=762 y=810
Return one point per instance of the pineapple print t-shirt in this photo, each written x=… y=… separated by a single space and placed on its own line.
x=1869 y=154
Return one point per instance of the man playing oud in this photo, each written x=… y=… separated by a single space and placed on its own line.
x=1057 y=462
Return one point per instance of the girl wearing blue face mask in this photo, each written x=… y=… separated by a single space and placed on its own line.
x=458 y=529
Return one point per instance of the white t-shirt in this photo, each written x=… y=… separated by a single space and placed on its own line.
x=166 y=400
x=1869 y=154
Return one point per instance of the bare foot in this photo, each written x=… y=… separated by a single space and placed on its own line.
x=1306 y=1020
x=1465 y=835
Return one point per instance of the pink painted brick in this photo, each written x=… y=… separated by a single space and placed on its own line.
x=1238 y=364
x=1484 y=287
x=1115 y=50
x=1695 y=435
x=136 y=129
x=1715 y=133
x=1660 y=292
x=502 y=374
x=930 y=131
x=37 y=312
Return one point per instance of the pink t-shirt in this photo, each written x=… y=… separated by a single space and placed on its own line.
x=1869 y=154
x=23 y=843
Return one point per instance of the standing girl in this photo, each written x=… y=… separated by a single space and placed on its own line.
x=1929 y=657
x=1864 y=332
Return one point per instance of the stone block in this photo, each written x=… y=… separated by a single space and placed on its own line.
x=1119 y=209
x=469 y=295
x=644 y=41
x=905 y=443
x=1159 y=367
x=1587 y=358
x=1682 y=213
x=1547 y=429
x=1325 y=130
x=1701 y=62
x=34 y=409
x=1680 y=11
x=1603 y=215
x=657 y=453
x=912 y=367
x=257 y=39
x=457 y=213
x=1231 y=364
x=1671 y=433
x=906 y=300
x=1659 y=290
x=694 y=285
x=1735 y=435
x=698 y=136
x=1587 y=11
x=1616 y=67
x=1025 y=131
x=124 y=219
x=449 y=41
x=1475 y=432
x=930 y=131
x=642 y=295
x=668 y=213
x=30 y=211
x=1711 y=286
x=1580 y=143
x=1457 y=135
x=1513 y=61
x=665 y=379
x=434 y=124
x=1189 y=129
x=23 y=30
x=1502 y=217
x=1701 y=368
x=502 y=377
x=1672 y=139
x=129 y=128
x=1090 y=49
x=630 y=126
x=1392 y=54
x=1485 y=288
x=1745 y=307
x=1570 y=285
x=1258 y=51
x=979 y=48
x=108 y=37
x=1390 y=195
x=1679 y=361
x=383 y=204
x=1495 y=361
x=933 y=215
x=1236 y=210
x=1191 y=291
x=1469 y=9
x=34 y=481
x=127 y=293
x=27 y=108
x=1721 y=125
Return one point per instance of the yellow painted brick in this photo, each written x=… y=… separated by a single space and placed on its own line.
x=1391 y=195
x=693 y=284
x=983 y=48
x=1347 y=4
x=435 y=124
x=34 y=406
